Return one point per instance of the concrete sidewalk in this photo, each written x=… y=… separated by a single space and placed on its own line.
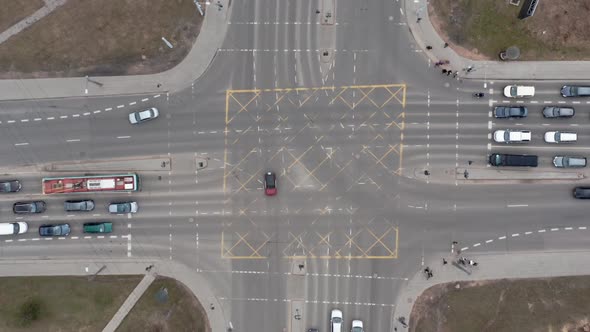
x=491 y=266
x=181 y=76
x=425 y=34
x=216 y=315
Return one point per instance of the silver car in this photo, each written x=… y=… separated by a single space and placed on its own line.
x=569 y=161
x=143 y=116
x=123 y=207
x=83 y=205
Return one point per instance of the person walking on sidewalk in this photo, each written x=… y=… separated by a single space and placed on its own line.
x=428 y=47
x=446 y=45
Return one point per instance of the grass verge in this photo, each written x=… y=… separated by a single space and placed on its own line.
x=39 y=304
x=559 y=30
x=178 y=310
x=15 y=10
x=107 y=37
x=553 y=304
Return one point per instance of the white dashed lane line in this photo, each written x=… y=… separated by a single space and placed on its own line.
x=20 y=144
x=516 y=235
x=73 y=140
x=78 y=115
x=123 y=137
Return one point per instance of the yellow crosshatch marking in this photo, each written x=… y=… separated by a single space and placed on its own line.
x=311 y=160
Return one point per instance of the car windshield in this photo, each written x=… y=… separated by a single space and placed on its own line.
x=5 y=186
x=513 y=91
x=16 y=228
x=123 y=207
x=357 y=329
x=337 y=320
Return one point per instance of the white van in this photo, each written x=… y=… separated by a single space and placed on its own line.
x=336 y=320
x=560 y=137
x=519 y=91
x=13 y=228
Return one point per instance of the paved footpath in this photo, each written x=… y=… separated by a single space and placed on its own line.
x=425 y=34
x=210 y=38
x=84 y=267
x=490 y=266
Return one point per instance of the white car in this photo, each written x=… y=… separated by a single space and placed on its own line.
x=512 y=136
x=13 y=228
x=142 y=116
x=519 y=91
x=336 y=320
x=560 y=137
x=357 y=326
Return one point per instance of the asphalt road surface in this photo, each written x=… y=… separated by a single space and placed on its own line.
x=349 y=146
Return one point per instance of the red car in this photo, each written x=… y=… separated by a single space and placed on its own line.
x=270 y=183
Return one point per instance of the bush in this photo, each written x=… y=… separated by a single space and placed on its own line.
x=30 y=311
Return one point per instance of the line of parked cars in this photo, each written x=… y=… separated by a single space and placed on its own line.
x=63 y=229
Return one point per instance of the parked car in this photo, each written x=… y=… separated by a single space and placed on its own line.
x=575 y=91
x=143 y=116
x=123 y=207
x=512 y=136
x=560 y=137
x=29 y=207
x=10 y=186
x=54 y=230
x=357 y=326
x=582 y=192
x=270 y=183
x=98 y=227
x=518 y=91
x=569 y=161
x=82 y=205
x=336 y=320
x=13 y=228
x=510 y=112
x=558 y=112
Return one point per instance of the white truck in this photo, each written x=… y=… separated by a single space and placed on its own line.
x=512 y=136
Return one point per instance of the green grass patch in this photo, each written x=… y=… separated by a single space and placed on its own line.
x=38 y=304
x=555 y=304
x=167 y=305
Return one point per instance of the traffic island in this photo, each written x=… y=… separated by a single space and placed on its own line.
x=501 y=175
x=490 y=175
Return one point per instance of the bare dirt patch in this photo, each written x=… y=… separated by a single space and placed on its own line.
x=98 y=38
x=481 y=29
x=552 y=304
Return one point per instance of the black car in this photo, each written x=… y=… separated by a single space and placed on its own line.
x=83 y=205
x=582 y=192
x=29 y=207
x=510 y=112
x=54 y=230
x=558 y=112
x=11 y=186
x=575 y=91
